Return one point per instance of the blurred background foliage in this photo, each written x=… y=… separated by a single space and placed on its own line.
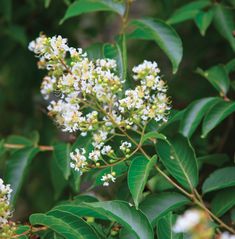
x=22 y=109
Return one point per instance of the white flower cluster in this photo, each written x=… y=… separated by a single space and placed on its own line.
x=226 y=235
x=89 y=96
x=189 y=220
x=5 y=212
x=107 y=178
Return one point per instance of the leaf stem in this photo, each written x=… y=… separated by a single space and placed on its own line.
x=21 y=146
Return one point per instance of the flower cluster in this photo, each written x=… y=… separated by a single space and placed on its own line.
x=195 y=223
x=89 y=96
x=6 y=227
x=107 y=178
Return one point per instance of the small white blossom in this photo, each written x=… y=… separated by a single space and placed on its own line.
x=78 y=160
x=107 y=178
x=106 y=150
x=187 y=221
x=226 y=235
x=95 y=155
x=125 y=145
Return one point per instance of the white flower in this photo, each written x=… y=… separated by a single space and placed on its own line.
x=78 y=160
x=226 y=235
x=187 y=221
x=95 y=155
x=125 y=145
x=107 y=178
x=106 y=150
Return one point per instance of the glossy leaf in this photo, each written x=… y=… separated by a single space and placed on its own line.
x=230 y=66
x=224 y=23
x=217 y=114
x=17 y=167
x=132 y=219
x=163 y=34
x=194 y=114
x=219 y=179
x=62 y=158
x=152 y=135
x=67 y=226
x=164 y=227
x=188 y=11
x=203 y=20
x=213 y=159
x=85 y=6
x=179 y=159
x=223 y=201
x=218 y=77
x=158 y=205
x=137 y=176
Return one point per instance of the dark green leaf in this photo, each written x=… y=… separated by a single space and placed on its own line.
x=194 y=114
x=230 y=66
x=179 y=158
x=223 y=201
x=164 y=35
x=137 y=176
x=219 y=179
x=224 y=23
x=158 y=205
x=218 y=77
x=213 y=159
x=216 y=114
x=132 y=219
x=203 y=20
x=85 y=6
x=17 y=167
x=62 y=158
x=188 y=11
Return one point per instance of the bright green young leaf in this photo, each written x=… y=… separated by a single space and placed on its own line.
x=158 y=205
x=137 y=176
x=83 y=229
x=63 y=225
x=194 y=114
x=179 y=159
x=218 y=77
x=62 y=158
x=188 y=11
x=117 y=51
x=164 y=227
x=17 y=167
x=203 y=20
x=223 y=201
x=121 y=212
x=219 y=179
x=163 y=34
x=217 y=114
x=224 y=23
x=85 y=6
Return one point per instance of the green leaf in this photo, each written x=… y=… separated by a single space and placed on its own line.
x=203 y=20
x=17 y=167
x=218 y=77
x=223 y=201
x=47 y=3
x=188 y=11
x=216 y=114
x=121 y=212
x=62 y=158
x=230 y=66
x=224 y=23
x=164 y=227
x=6 y=9
x=85 y=6
x=137 y=176
x=83 y=229
x=95 y=51
x=16 y=139
x=213 y=159
x=219 y=179
x=179 y=158
x=194 y=114
x=67 y=226
x=158 y=205
x=57 y=178
x=164 y=35
x=152 y=136
x=117 y=51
